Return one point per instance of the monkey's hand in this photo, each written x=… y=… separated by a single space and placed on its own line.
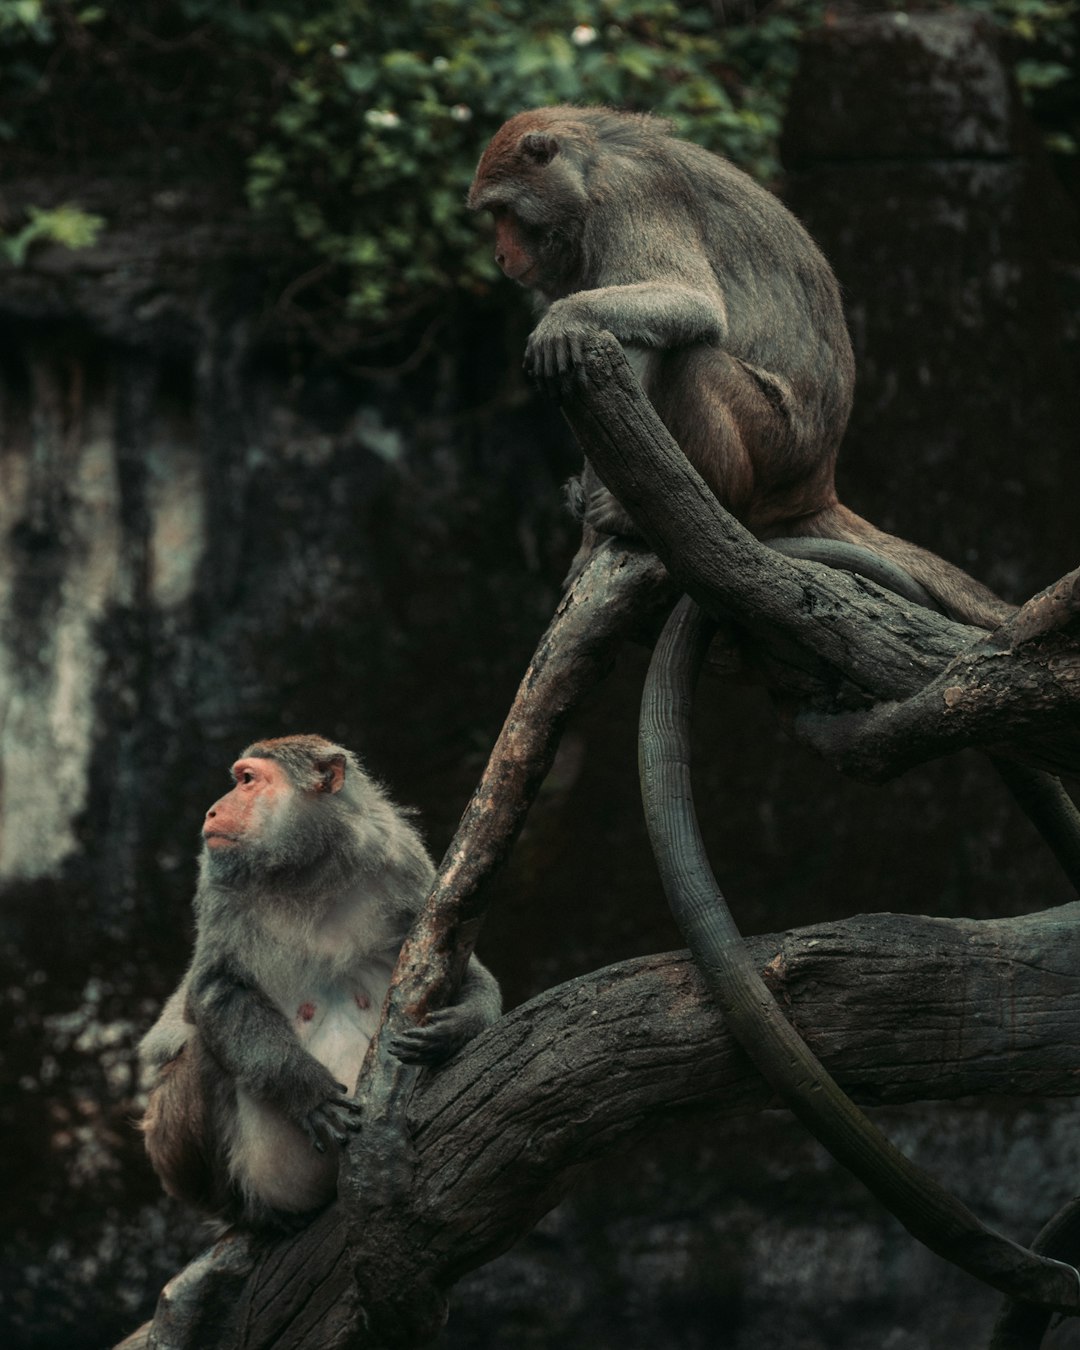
x=332 y=1120
x=442 y=1035
x=555 y=351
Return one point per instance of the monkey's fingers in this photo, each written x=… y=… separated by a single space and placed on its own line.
x=552 y=357
x=331 y=1122
x=343 y=1119
x=577 y=341
x=308 y=1125
x=435 y=1041
x=347 y=1110
x=415 y=1047
x=540 y=361
x=575 y=498
x=570 y=359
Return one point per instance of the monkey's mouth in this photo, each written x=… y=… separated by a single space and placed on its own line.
x=216 y=839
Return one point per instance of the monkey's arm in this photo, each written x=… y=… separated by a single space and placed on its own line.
x=656 y=314
x=255 y=1045
x=446 y=1030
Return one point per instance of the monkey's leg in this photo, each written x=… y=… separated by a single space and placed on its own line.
x=176 y=1134
x=600 y=515
x=731 y=432
x=597 y=508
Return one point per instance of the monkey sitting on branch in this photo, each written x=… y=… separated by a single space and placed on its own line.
x=309 y=878
x=731 y=319
x=729 y=314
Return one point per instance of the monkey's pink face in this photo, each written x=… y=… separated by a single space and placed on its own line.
x=261 y=786
x=511 y=252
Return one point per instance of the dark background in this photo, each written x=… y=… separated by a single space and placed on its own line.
x=211 y=532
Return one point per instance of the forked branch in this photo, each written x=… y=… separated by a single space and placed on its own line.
x=945 y=686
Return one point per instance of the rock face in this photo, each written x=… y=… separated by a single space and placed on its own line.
x=911 y=160
x=209 y=532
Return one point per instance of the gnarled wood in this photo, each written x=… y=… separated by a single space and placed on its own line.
x=389 y=1235
x=899 y=1009
x=1017 y=691
x=448 y=1170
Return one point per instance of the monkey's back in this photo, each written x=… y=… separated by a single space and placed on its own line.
x=784 y=310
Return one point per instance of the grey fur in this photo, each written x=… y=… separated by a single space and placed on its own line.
x=617 y=224
x=297 y=936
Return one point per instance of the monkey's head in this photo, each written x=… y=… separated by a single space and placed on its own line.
x=287 y=810
x=544 y=176
x=530 y=178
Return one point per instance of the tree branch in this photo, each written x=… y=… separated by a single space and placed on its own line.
x=1016 y=691
x=389 y=1234
x=1023 y=705
x=500 y=1132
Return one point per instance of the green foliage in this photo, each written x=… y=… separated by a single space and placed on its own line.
x=24 y=18
x=65 y=225
x=358 y=123
x=385 y=108
x=355 y=125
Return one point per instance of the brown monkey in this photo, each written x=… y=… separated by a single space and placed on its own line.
x=730 y=315
x=309 y=878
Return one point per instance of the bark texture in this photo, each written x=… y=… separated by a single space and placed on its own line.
x=899 y=1008
x=208 y=533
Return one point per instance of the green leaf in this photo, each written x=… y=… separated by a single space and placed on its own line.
x=68 y=226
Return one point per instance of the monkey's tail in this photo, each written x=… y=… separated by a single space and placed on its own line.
x=755 y=1017
x=961 y=596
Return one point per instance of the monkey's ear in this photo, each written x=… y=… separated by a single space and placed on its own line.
x=331 y=774
x=539 y=146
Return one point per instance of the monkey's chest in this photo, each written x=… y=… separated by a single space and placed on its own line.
x=335 y=1022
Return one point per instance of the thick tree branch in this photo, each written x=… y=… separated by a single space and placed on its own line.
x=724 y=567
x=899 y=1008
x=886 y=647
x=389 y=1234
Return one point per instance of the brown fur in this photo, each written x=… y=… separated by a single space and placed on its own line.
x=177 y=1139
x=729 y=305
